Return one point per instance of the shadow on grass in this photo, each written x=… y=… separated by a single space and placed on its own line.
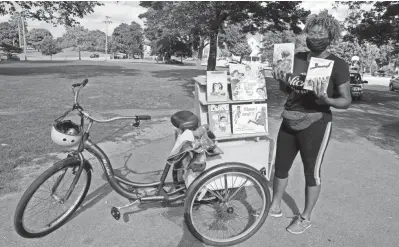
x=373 y=118
x=183 y=77
x=76 y=71
x=104 y=190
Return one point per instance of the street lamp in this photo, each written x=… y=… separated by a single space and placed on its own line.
x=107 y=21
x=22 y=20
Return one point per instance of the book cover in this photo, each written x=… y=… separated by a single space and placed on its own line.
x=250 y=118
x=247 y=82
x=219 y=119
x=216 y=86
x=319 y=71
x=283 y=56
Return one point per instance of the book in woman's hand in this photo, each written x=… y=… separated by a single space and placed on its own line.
x=283 y=59
x=319 y=72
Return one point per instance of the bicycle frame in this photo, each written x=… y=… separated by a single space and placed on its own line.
x=114 y=180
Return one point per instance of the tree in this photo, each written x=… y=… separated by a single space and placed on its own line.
x=209 y=18
x=8 y=35
x=98 y=38
x=235 y=40
x=57 y=12
x=36 y=36
x=49 y=47
x=374 y=22
x=128 y=38
x=78 y=37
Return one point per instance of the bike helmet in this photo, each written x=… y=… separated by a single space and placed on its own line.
x=66 y=133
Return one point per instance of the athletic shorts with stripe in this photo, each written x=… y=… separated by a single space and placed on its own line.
x=311 y=143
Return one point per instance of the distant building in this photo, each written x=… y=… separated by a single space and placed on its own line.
x=254 y=42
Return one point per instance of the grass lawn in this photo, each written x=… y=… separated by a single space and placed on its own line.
x=34 y=93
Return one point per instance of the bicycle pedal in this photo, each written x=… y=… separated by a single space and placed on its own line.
x=115 y=213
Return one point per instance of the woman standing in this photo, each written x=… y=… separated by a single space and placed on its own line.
x=306 y=126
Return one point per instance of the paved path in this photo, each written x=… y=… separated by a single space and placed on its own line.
x=357 y=207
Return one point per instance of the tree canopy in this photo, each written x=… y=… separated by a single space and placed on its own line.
x=374 y=22
x=36 y=36
x=235 y=41
x=193 y=20
x=7 y=33
x=55 y=12
x=49 y=46
x=128 y=38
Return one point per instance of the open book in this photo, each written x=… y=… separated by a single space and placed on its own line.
x=319 y=71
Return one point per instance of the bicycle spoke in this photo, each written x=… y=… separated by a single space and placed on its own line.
x=235 y=193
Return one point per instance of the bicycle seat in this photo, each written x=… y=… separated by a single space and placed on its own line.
x=184 y=120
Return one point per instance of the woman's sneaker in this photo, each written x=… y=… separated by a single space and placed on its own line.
x=298 y=225
x=275 y=213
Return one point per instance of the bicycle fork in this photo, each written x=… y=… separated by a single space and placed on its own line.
x=74 y=182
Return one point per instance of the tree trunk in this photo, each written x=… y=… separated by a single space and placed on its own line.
x=51 y=57
x=241 y=59
x=213 y=36
x=80 y=58
x=200 y=51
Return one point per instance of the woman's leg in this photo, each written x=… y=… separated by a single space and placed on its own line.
x=313 y=143
x=286 y=150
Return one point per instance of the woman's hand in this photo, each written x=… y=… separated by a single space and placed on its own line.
x=320 y=92
x=282 y=71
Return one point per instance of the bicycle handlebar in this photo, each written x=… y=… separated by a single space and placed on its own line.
x=81 y=85
x=85 y=81
x=137 y=118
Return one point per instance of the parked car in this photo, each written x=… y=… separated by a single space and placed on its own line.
x=94 y=55
x=120 y=56
x=135 y=56
x=394 y=83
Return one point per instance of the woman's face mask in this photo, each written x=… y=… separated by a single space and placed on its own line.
x=317 y=39
x=317 y=44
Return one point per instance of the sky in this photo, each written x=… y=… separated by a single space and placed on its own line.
x=128 y=11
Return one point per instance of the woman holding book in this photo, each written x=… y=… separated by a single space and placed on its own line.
x=306 y=125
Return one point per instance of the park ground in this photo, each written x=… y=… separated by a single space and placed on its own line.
x=357 y=207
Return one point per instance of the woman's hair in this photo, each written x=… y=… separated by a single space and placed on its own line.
x=325 y=20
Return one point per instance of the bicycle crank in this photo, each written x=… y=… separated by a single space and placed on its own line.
x=116 y=211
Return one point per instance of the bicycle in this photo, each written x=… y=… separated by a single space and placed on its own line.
x=217 y=189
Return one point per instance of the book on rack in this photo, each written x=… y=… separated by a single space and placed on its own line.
x=250 y=118
x=219 y=119
x=319 y=72
x=216 y=86
x=247 y=82
x=283 y=57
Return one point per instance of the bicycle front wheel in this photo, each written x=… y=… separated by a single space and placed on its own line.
x=43 y=207
x=227 y=205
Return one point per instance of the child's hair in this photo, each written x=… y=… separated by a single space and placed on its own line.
x=217 y=84
x=325 y=20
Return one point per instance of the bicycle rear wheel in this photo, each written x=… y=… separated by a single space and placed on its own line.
x=221 y=207
x=50 y=219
